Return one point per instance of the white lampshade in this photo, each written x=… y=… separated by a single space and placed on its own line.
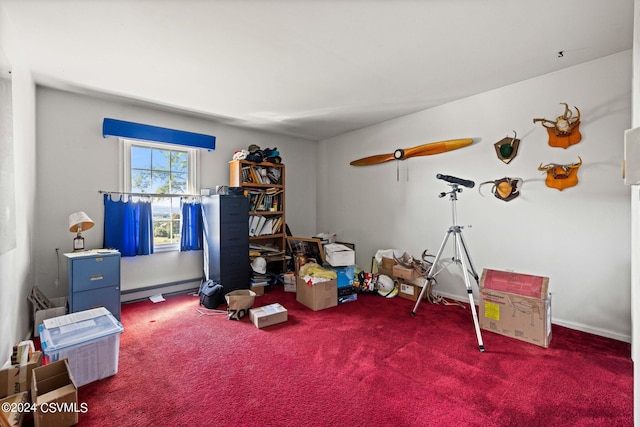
x=79 y=221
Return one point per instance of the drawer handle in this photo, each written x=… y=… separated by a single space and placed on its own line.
x=96 y=277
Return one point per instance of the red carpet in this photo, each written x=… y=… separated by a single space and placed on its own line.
x=363 y=363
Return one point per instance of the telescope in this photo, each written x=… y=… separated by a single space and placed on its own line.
x=458 y=181
x=460 y=257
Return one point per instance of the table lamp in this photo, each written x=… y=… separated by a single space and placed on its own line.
x=79 y=222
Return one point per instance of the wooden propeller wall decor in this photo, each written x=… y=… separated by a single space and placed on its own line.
x=420 y=150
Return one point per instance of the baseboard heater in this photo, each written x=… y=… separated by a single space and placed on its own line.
x=138 y=294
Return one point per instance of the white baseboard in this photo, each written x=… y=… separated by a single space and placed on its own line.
x=591 y=330
x=567 y=324
x=168 y=288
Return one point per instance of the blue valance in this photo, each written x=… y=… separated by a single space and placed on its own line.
x=120 y=128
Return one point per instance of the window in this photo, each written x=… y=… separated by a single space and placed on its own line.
x=155 y=168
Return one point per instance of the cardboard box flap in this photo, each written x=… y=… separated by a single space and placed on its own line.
x=515 y=283
x=58 y=394
x=52 y=376
x=269 y=309
x=10 y=417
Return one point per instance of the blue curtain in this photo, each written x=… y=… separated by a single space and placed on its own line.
x=191 y=233
x=128 y=226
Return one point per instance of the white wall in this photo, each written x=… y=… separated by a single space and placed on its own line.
x=75 y=162
x=579 y=237
x=635 y=223
x=16 y=278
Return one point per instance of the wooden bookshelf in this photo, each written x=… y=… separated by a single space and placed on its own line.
x=264 y=186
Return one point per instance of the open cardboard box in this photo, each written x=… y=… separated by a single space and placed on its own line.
x=17 y=378
x=40 y=315
x=319 y=296
x=55 y=395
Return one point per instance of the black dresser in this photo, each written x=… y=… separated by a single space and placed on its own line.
x=226 y=241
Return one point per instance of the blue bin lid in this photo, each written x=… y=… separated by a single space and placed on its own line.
x=77 y=328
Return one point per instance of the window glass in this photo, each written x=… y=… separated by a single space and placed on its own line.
x=155 y=168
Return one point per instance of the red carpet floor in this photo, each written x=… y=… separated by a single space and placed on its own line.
x=363 y=363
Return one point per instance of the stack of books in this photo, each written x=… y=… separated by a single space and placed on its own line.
x=269 y=253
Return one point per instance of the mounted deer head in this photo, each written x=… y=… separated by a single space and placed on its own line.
x=561 y=176
x=563 y=132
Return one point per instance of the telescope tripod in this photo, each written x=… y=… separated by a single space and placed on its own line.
x=460 y=257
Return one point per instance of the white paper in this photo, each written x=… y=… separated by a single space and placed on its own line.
x=65 y=329
x=70 y=318
x=156 y=298
x=272 y=308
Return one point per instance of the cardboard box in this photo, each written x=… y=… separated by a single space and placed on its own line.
x=339 y=255
x=410 y=289
x=13 y=408
x=268 y=315
x=89 y=339
x=15 y=378
x=385 y=267
x=516 y=316
x=289 y=280
x=259 y=290
x=385 y=271
x=53 y=386
x=404 y=273
x=515 y=283
x=387 y=263
x=319 y=296
x=39 y=316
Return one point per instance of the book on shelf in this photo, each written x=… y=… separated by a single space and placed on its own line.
x=274 y=175
x=267 y=228
x=268 y=200
x=264 y=175
x=260 y=174
x=260 y=225
x=262 y=220
x=247 y=174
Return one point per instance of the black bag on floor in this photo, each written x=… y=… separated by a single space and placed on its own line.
x=211 y=294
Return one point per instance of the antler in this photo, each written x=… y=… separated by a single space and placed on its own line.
x=551 y=125
x=555 y=165
x=577 y=118
x=575 y=165
x=568 y=114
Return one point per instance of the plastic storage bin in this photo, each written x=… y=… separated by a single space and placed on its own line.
x=89 y=339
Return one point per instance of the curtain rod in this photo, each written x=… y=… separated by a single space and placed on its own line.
x=148 y=194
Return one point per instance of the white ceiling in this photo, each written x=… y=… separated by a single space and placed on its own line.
x=309 y=68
